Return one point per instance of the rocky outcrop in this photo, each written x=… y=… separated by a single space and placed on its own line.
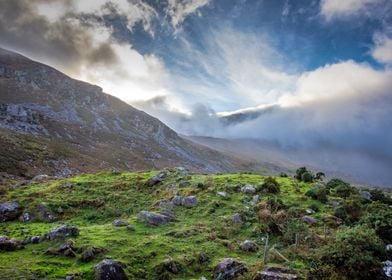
x=229 y=269
x=154 y=218
x=109 y=270
x=9 y=211
x=277 y=273
x=62 y=232
x=7 y=244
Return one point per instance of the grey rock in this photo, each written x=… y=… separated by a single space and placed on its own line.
x=366 y=195
x=131 y=228
x=277 y=273
x=309 y=220
x=229 y=268
x=256 y=198
x=154 y=218
x=249 y=246
x=26 y=217
x=248 y=189
x=109 y=270
x=157 y=179
x=62 y=232
x=35 y=239
x=222 y=194
x=90 y=254
x=165 y=204
x=45 y=213
x=309 y=211
x=41 y=177
x=238 y=219
x=120 y=223
x=7 y=244
x=387 y=267
x=388 y=247
x=9 y=211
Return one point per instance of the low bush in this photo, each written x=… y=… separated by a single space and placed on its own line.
x=270 y=185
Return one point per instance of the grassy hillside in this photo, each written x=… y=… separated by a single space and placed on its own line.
x=200 y=236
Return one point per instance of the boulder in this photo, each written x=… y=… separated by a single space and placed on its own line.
x=387 y=267
x=120 y=223
x=109 y=270
x=248 y=189
x=67 y=249
x=168 y=265
x=309 y=220
x=9 y=211
x=26 y=217
x=187 y=201
x=229 y=268
x=249 y=246
x=154 y=218
x=90 y=253
x=238 y=219
x=366 y=195
x=277 y=273
x=62 y=232
x=41 y=178
x=7 y=244
x=154 y=180
x=165 y=204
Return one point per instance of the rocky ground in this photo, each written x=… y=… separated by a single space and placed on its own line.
x=169 y=224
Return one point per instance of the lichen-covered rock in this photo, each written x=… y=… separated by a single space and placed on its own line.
x=309 y=220
x=186 y=201
x=120 y=223
x=154 y=180
x=9 y=211
x=277 y=273
x=26 y=217
x=109 y=270
x=7 y=244
x=168 y=265
x=248 y=189
x=154 y=218
x=249 y=246
x=62 y=232
x=90 y=254
x=229 y=268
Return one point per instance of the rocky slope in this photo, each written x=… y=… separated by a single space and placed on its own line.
x=54 y=124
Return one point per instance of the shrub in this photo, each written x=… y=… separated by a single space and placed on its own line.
x=344 y=191
x=378 y=195
x=333 y=183
x=314 y=207
x=318 y=193
x=299 y=172
x=307 y=177
x=379 y=217
x=295 y=231
x=270 y=185
x=353 y=253
x=283 y=175
x=319 y=176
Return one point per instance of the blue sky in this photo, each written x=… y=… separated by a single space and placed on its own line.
x=312 y=71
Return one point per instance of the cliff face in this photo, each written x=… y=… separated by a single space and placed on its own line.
x=95 y=130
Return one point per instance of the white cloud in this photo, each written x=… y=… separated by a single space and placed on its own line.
x=342 y=8
x=382 y=50
x=178 y=10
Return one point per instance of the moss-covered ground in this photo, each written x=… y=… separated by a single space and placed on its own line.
x=94 y=201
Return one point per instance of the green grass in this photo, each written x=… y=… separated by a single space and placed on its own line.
x=97 y=199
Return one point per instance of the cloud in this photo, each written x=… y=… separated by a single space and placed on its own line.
x=382 y=50
x=73 y=37
x=339 y=9
x=178 y=10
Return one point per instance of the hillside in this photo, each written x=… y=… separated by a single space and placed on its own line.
x=228 y=226
x=53 y=124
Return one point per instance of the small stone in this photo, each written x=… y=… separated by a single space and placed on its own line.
x=249 y=246
x=256 y=198
x=248 y=189
x=154 y=218
x=222 y=194
x=229 y=269
x=120 y=223
x=309 y=211
x=25 y=231
x=309 y=220
x=238 y=219
x=35 y=239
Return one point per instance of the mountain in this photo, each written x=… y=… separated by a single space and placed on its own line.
x=355 y=166
x=52 y=123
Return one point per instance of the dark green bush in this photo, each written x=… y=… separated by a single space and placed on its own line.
x=295 y=231
x=314 y=207
x=379 y=217
x=378 y=195
x=270 y=185
x=354 y=253
x=333 y=183
x=318 y=193
x=345 y=191
x=307 y=177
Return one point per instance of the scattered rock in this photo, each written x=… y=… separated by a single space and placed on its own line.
x=229 y=269
x=109 y=270
x=130 y=228
x=387 y=267
x=187 y=201
x=120 y=223
x=7 y=244
x=154 y=218
x=62 y=232
x=165 y=204
x=255 y=198
x=9 y=211
x=309 y=220
x=35 y=239
x=70 y=277
x=67 y=249
x=25 y=231
x=238 y=219
x=248 y=189
x=156 y=179
x=277 y=273
x=366 y=195
x=45 y=214
x=26 y=217
x=222 y=194
x=310 y=211
x=249 y=246
x=332 y=220
x=90 y=253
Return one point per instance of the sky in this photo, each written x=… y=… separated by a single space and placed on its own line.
x=299 y=72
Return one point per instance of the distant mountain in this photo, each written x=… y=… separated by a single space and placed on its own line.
x=270 y=157
x=50 y=123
